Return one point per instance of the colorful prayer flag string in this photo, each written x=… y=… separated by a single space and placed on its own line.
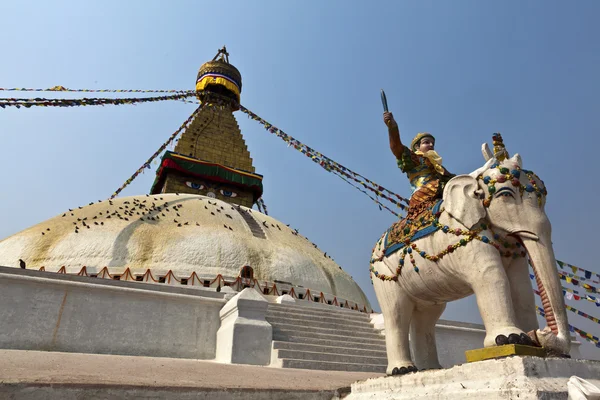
x=583 y=334
x=377 y=193
x=327 y=163
x=261 y=204
x=39 y=102
x=160 y=149
x=376 y=201
x=574 y=310
x=64 y=89
x=575 y=294
x=582 y=314
x=575 y=280
x=572 y=294
x=588 y=274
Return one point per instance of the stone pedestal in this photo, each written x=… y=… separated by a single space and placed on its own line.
x=520 y=378
x=244 y=336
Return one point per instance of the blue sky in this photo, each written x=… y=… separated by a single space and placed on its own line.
x=461 y=70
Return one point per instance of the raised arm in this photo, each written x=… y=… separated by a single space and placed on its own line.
x=395 y=144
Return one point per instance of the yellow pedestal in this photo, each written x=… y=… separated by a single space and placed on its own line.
x=503 y=351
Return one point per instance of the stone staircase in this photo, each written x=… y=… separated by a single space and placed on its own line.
x=325 y=339
x=254 y=226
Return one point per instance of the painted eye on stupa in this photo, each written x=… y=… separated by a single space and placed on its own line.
x=228 y=193
x=195 y=185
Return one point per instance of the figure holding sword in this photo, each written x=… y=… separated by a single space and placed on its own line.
x=421 y=163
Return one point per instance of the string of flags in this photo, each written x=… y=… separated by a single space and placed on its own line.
x=329 y=164
x=260 y=203
x=582 y=314
x=381 y=205
x=41 y=102
x=572 y=294
x=588 y=336
x=60 y=88
x=324 y=161
x=321 y=158
x=587 y=274
x=573 y=280
x=157 y=152
x=341 y=173
x=574 y=310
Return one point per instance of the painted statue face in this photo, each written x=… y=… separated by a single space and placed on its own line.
x=426 y=144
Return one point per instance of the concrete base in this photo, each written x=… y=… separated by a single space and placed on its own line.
x=520 y=378
x=39 y=375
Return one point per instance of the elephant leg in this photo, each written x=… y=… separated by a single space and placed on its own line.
x=422 y=336
x=492 y=291
x=522 y=296
x=397 y=309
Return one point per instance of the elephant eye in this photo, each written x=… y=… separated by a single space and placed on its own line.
x=505 y=193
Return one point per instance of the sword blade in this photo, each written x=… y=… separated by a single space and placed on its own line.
x=384 y=101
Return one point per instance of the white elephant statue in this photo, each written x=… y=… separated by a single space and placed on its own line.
x=488 y=223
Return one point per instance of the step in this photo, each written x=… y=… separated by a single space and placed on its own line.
x=312 y=305
x=330 y=357
x=254 y=226
x=331 y=366
x=341 y=348
x=308 y=339
x=354 y=326
x=318 y=317
x=332 y=333
x=319 y=310
x=326 y=340
x=309 y=314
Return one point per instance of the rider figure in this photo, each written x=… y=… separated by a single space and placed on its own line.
x=422 y=165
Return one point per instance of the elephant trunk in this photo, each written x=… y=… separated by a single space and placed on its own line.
x=556 y=337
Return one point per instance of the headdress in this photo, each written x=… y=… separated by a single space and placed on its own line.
x=433 y=157
x=499 y=150
x=418 y=138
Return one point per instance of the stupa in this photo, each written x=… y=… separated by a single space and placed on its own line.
x=196 y=227
x=186 y=248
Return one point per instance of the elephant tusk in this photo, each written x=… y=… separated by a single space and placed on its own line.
x=485 y=150
x=525 y=235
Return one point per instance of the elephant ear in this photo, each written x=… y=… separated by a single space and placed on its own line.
x=463 y=200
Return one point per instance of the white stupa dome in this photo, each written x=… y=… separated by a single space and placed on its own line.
x=184 y=234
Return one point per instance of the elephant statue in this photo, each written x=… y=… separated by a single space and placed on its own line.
x=487 y=227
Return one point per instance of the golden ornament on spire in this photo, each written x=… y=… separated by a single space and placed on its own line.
x=499 y=150
x=221 y=78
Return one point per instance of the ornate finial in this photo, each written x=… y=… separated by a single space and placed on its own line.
x=499 y=150
x=222 y=55
x=219 y=82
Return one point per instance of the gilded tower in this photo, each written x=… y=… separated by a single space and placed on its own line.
x=211 y=157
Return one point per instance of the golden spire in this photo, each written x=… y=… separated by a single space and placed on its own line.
x=221 y=79
x=211 y=157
